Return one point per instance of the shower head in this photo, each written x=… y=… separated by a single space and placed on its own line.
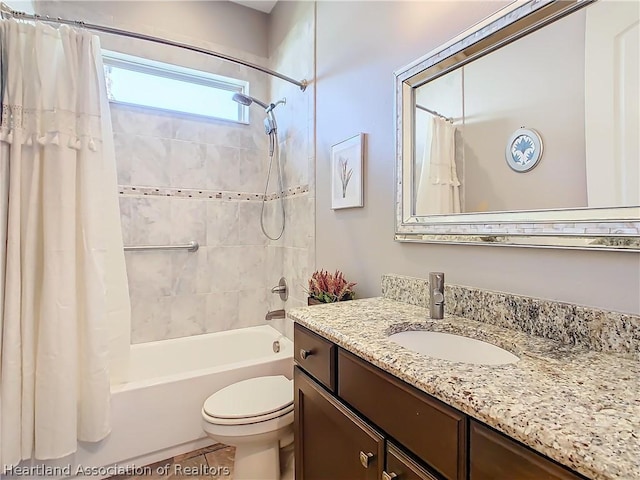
x=247 y=100
x=270 y=125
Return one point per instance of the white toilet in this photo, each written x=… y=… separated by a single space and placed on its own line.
x=256 y=417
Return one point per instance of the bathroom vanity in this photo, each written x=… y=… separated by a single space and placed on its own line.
x=401 y=421
x=367 y=408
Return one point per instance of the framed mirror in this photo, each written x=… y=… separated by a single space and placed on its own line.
x=524 y=131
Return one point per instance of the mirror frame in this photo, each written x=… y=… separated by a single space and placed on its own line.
x=580 y=228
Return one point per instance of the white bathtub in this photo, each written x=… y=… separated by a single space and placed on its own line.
x=156 y=414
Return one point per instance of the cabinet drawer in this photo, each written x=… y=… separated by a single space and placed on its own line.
x=431 y=430
x=496 y=457
x=316 y=355
x=331 y=442
x=401 y=467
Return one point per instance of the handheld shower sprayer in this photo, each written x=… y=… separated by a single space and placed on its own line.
x=270 y=124
x=271 y=129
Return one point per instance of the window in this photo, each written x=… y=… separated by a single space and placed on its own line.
x=138 y=81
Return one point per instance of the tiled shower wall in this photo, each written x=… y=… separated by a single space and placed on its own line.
x=185 y=178
x=226 y=284
x=292 y=52
x=222 y=285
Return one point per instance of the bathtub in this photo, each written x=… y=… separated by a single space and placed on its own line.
x=156 y=414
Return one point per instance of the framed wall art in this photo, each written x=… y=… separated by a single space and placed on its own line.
x=347 y=180
x=524 y=149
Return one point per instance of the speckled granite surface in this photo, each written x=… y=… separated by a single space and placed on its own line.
x=570 y=324
x=578 y=406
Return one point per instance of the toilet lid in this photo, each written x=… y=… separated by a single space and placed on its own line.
x=250 y=398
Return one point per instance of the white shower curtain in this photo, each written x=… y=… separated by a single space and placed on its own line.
x=438 y=186
x=64 y=304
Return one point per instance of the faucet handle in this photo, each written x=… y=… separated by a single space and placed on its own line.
x=437 y=297
x=281 y=289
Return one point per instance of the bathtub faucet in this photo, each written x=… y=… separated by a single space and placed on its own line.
x=274 y=314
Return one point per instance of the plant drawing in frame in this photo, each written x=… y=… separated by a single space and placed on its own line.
x=347 y=158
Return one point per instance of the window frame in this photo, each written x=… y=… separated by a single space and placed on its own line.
x=180 y=74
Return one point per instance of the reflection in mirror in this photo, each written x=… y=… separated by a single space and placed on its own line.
x=438 y=187
x=524 y=130
x=575 y=82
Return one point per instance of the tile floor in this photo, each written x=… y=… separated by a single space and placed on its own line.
x=209 y=463
x=213 y=462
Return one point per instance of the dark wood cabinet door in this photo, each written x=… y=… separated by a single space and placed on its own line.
x=429 y=429
x=331 y=443
x=496 y=457
x=401 y=467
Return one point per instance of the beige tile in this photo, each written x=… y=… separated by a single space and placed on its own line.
x=142 y=477
x=200 y=451
x=154 y=476
x=207 y=463
x=194 y=468
x=221 y=462
x=157 y=469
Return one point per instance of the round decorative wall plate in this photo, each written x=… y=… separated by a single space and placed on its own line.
x=524 y=149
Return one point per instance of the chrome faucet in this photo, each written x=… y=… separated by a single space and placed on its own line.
x=436 y=297
x=275 y=314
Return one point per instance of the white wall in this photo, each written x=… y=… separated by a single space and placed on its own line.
x=359 y=45
x=221 y=22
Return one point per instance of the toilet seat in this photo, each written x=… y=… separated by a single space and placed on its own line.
x=250 y=401
x=245 y=421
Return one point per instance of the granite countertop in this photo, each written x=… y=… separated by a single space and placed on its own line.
x=577 y=406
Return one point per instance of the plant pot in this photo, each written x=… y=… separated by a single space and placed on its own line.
x=315 y=301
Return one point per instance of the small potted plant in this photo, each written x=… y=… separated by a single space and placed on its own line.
x=325 y=287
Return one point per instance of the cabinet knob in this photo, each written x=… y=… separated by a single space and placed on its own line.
x=365 y=458
x=304 y=353
x=388 y=476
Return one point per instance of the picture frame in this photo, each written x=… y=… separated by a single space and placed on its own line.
x=347 y=173
x=524 y=149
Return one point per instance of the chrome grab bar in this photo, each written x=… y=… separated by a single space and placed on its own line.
x=191 y=247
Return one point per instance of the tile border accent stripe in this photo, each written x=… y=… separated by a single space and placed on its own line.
x=134 y=190
x=592 y=328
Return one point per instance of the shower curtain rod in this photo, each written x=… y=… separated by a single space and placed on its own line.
x=6 y=10
x=433 y=112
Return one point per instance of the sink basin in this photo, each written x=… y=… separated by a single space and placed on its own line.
x=455 y=348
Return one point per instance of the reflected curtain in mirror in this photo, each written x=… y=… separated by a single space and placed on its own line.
x=438 y=188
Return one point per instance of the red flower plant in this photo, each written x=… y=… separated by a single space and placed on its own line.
x=330 y=287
